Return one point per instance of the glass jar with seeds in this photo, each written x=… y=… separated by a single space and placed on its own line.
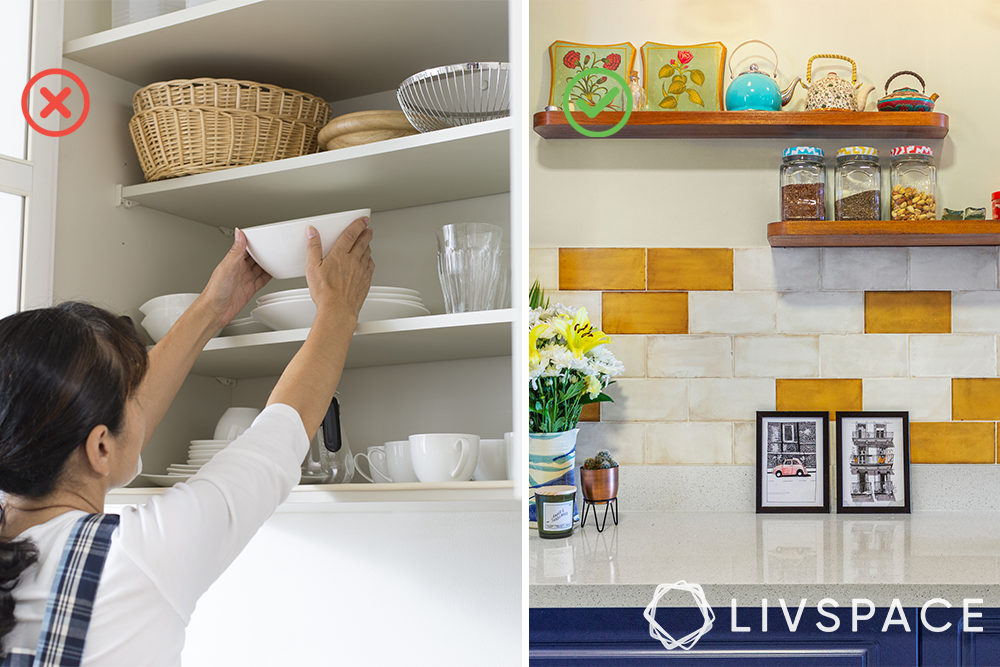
x=857 y=184
x=803 y=184
x=913 y=178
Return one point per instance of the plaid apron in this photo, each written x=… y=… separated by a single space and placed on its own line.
x=67 y=614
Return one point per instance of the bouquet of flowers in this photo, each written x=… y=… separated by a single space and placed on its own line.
x=568 y=364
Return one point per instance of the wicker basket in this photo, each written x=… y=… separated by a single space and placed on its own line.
x=232 y=94
x=181 y=141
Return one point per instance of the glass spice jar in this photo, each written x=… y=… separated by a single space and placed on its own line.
x=803 y=184
x=913 y=178
x=857 y=184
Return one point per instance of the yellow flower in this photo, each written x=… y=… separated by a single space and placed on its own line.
x=580 y=336
x=594 y=386
x=533 y=356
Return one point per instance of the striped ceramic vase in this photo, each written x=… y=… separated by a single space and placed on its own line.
x=551 y=462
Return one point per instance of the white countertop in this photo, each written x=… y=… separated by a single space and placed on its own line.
x=746 y=556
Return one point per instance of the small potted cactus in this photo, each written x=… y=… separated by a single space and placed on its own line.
x=599 y=478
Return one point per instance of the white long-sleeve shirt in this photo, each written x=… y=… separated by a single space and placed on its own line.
x=165 y=554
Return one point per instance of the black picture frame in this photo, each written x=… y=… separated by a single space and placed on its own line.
x=869 y=471
x=786 y=434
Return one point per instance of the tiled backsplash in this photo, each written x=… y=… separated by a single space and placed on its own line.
x=710 y=336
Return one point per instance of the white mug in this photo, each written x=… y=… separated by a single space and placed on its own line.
x=400 y=466
x=492 y=461
x=234 y=422
x=376 y=464
x=444 y=457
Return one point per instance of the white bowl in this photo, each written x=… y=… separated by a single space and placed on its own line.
x=158 y=322
x=244 y=325
x=168 y=301
x=280 y=247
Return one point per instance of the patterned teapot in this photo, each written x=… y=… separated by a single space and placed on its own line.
x=907 y=99
x=831 y=93
x=754 y=90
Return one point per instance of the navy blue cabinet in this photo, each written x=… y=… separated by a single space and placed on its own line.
x=616 y=637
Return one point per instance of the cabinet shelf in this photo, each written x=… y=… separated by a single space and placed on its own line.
x=750 y=125
x=408 y=340
x=325 y=48
x=454 y=496
x=884 y=233
x=446 y=165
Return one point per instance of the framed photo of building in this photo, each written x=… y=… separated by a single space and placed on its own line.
x=792 y=462
x=873 y=462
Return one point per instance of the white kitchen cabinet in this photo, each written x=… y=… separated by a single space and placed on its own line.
x=354 y=55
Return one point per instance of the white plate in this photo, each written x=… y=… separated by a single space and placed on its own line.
x=303 y=293
x=182 y=467
x=299 y=314
x=244 y=325
x=166 y=480
x=371 y=297
x=210 y=442
x=389 y=309
x=375 y=289
x=198 y=462
x=284 y=294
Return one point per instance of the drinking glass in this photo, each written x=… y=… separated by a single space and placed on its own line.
x=501 y=298
x=468 y=264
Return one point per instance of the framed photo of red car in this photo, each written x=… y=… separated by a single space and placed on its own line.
x=873 y=462
x=793 y=463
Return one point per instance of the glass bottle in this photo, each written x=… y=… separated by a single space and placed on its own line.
x=803 y=184
x=857 y=184
x=913 y=178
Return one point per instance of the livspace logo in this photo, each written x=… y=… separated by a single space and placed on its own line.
x=894 y=616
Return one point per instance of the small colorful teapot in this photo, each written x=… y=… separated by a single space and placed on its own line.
x=907 y=99
x=831 y=93
x=754 y=90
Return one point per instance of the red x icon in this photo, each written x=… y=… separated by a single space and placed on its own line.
x=55 y=102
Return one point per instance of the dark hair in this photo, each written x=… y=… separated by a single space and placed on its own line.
x=63 y=371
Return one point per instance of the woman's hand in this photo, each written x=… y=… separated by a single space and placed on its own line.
x=234 y=282
x=339 y=282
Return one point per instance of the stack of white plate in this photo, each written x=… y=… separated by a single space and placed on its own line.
x=199 y=453
x=294 y=309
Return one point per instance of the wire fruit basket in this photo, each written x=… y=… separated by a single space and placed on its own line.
x=455 y=95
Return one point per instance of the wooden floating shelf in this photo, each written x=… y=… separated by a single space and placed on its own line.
x=750 y=125
x=883 y=233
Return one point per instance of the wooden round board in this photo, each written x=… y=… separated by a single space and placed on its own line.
x=366 y=137
x=365 y=121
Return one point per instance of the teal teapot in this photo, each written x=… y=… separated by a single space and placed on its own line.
x=754 y=90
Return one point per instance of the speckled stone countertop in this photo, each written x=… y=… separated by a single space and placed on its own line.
x=746 y=556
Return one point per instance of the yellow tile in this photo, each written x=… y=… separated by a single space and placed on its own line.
x=832 y=395
x=602 y=268
x=644 y=313
x=689 y=268
x=975 y=398
x=952 y=442
x=591 y=413
x=907 y=312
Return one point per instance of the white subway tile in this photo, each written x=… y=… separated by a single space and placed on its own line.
x=745 y=443
x=821 y=312
x=975 y=312
x=626 y=442
x=863 y=355
x=543 y=263
x=777 y=356
x=864 y=268
x=646 y=400
x=954 y=355
x=731 y=312
x=773 y=269
x=689 y=356
x=689 y=443
x=589 y=300
x=926 y=399
x=730 y=399
x=631 y=351
x=953 y=268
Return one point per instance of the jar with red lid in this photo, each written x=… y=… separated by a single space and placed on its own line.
x=996 y=205
x=913 y=179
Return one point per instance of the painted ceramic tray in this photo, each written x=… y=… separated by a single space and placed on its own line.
x=683 y=78
x=569 y=59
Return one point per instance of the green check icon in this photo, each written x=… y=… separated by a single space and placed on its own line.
x=600 y=105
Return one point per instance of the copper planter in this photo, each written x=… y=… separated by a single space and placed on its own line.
x=599 y=485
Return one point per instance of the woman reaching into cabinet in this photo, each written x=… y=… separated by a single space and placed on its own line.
x=79 y=400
